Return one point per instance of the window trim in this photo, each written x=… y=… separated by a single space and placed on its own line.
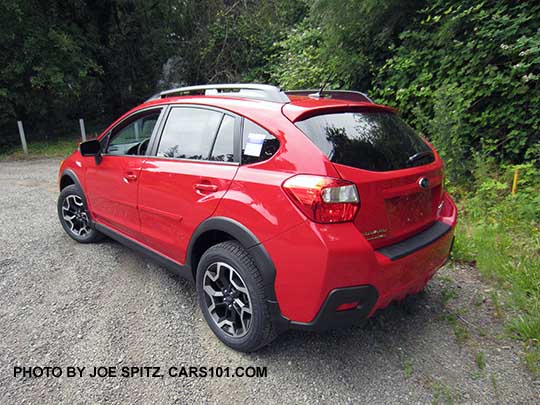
x=211 y=152
x=155 y=145
x=236 y=128
x=128 y=120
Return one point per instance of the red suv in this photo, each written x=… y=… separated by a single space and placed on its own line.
x=299 y=209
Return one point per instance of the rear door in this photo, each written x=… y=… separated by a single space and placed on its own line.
x=112 y=184
x=194 y=164
x=398 y=176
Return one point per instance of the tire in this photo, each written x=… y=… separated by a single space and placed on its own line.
x=241 y=330
x=72 y=203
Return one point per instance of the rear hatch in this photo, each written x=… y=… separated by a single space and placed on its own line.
x=398 y=178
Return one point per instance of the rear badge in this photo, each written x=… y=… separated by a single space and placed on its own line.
x=423 y=183
x=375 y=234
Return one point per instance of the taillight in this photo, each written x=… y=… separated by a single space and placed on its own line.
x=323 y=199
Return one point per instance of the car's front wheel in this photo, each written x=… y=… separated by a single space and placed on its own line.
x=231 y=295
x=74 y=216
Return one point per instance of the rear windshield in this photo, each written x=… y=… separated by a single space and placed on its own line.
x=377 y=141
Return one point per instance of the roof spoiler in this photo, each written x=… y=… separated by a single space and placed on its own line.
x=348 y=95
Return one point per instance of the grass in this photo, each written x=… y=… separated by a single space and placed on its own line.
x=496 y=304
x=442 y=394
x=43 y=149
x=532 y=360
x=460 y=331
x=407 y=369
x=480 y=360
x=500 y=233
x=448 y=294
x=495 y=385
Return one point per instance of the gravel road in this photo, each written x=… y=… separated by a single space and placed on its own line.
x=65 y=304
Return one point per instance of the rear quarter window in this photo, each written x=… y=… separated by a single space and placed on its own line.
x=376 y=141
x=257 y=143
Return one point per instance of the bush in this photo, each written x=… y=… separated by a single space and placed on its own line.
x=468 y=77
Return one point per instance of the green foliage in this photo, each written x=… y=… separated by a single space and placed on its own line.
x=68 y=59
x=500 y=232
x=238 y=39
x=62 y=60
x=44 y=68
x=468 y=77
x=358 y=34
x=344 y=41
x=298 y=61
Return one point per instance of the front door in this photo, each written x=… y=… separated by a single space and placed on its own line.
x=112 y=184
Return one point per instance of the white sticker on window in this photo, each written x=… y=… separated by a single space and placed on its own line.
x=254 y=144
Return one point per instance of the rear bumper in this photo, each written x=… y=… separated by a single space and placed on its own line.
x=417 y=242
x=329 y=317
x=320 y=267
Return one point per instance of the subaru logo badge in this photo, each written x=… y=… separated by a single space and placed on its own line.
x=423 y=183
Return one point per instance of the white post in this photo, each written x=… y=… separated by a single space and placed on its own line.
x=83 y=129
x=23 y=137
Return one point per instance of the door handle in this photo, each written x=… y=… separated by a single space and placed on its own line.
x=130 y=177
x=205 y=188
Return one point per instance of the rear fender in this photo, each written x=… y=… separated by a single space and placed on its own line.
x=247 y=239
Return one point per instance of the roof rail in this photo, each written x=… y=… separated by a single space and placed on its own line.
x=349 y=95
x=247 y=90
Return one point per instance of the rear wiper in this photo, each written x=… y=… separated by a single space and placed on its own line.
x=420 y=155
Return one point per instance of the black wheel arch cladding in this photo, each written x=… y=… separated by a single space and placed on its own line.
x=69 y=177
x=246 y=238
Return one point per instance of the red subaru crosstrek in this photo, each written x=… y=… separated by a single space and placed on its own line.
x=299 y=209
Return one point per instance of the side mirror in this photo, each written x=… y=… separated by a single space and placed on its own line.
x=91 y=148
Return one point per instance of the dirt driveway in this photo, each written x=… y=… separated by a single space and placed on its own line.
x=64 y=304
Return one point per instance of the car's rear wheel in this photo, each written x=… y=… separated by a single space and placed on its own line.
x=74 y=216
x=231 y=296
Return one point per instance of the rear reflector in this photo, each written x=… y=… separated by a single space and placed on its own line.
x=347 y=306
x=323 y=199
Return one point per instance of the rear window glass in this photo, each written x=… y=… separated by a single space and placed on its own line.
x=376 y=141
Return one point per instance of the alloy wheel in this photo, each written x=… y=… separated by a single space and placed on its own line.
x=227 y=299
x=75 y=215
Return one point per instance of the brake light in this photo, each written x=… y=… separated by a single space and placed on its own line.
x=323 y=199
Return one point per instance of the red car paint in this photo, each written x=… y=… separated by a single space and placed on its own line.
x=159 y=202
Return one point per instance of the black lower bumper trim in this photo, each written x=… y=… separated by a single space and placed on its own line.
x=417 y=242
x=329 y=318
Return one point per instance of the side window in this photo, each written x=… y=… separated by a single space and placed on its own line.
x=133 y=138
x=223 y=150
x=257 y=144
x=189 y=133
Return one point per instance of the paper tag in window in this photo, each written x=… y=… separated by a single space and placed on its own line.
x=254 y=144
